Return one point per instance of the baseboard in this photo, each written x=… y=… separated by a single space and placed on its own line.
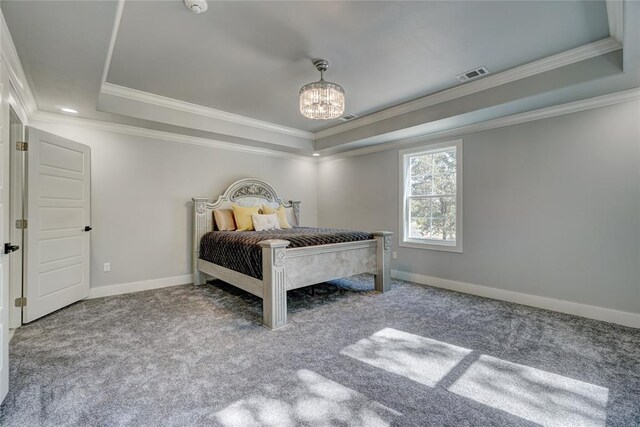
x=145 y=285
x=583 y=310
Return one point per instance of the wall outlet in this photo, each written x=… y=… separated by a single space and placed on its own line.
x=107 y=266
x=394 y=255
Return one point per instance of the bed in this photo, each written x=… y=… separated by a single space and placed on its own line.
x=267 y=264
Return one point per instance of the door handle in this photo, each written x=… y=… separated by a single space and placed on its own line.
x=88 y=228
x=8 y=248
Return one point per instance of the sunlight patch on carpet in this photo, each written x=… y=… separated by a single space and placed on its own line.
x=310 y=399
x=535 y=395
x=420 y=359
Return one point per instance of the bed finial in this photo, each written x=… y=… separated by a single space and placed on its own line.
x=295 y=204
x=201 y=224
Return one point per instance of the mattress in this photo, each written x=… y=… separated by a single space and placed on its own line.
x=240 y=251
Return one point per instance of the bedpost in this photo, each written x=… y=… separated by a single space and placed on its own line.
x=274 y=280
x=383 y=260
x=295 y=204
x=199 y=230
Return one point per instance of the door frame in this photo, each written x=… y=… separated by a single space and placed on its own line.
x=17 y=168
x=17 y=290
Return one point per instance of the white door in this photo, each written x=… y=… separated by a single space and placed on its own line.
x=58 y=223
x=4 y=231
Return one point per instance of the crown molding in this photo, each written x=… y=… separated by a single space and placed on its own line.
x=529 y=116
x=572 y=56
x=26 y=97
x=162 y=101
x=615 y=15
x=17 y=77
x=112 y=40
x=175 y=104
x=60 y=119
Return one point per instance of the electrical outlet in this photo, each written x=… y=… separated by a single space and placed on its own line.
x=394 y=255
x=107 y=266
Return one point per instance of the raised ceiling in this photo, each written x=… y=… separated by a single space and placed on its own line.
x=250 y=58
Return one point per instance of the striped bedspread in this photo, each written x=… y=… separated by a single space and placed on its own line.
x=239 y=250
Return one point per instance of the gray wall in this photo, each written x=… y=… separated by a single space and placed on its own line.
x=551 y=208
x=141 y=198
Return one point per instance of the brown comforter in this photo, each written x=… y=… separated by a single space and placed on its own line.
x=239 y=250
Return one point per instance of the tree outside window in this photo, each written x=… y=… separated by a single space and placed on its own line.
x=430 y=209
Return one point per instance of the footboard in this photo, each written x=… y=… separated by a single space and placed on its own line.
x=316 y=264
x=285 y=269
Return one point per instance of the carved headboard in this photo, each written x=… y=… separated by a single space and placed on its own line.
x=245 y=192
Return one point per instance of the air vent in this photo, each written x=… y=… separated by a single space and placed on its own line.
x=473 y=74
x=348 y=117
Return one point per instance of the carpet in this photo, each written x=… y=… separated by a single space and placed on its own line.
x=415 y=355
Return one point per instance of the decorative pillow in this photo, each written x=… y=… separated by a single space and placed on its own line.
x=242 y=216
x=282 y=215
x=224 y=219
x=265 y=222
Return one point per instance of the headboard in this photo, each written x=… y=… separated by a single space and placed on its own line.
x=244 y=192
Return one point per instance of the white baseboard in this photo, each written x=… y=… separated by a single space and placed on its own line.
x=125 y=288
x=592 y=312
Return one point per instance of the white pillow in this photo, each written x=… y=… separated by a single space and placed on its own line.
x=265 y=222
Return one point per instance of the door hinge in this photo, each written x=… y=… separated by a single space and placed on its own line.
x=21 y=302
x=21 y=224
x=22 y=146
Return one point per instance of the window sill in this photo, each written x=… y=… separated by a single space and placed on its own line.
x=457 y=248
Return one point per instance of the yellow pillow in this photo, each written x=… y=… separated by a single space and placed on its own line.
x=282 y=215
x=242 y=216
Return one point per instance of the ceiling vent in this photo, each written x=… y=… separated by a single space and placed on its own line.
x=473 y=74
x=348 y=117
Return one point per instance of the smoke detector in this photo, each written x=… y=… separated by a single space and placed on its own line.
x=196 y=6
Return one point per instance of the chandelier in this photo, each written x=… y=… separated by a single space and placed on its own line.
x=321 y=100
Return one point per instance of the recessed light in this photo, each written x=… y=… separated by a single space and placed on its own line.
x=69 y=110
x=316 y=154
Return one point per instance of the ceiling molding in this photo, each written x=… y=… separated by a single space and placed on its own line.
x=546 y=64
x=615 y=15
x=529 y=116
x=26 y=98
x=162 y=101
x=112 y=41
x=572 y=56
x=17 y=77
x=59 y=119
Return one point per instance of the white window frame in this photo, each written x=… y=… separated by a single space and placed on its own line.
x=436 y=245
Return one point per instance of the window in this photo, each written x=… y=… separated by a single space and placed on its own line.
x=431 y=203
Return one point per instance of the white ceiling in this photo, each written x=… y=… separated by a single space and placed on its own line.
x=250 y=58
x=62 y=48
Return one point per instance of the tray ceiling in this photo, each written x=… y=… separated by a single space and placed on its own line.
x=250 y=58
x=232 y=74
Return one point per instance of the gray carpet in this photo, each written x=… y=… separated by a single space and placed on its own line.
x=413 y=356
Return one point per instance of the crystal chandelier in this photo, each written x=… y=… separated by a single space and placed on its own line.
x=321 y=100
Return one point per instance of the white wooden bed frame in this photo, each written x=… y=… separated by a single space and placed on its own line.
x=285 y=269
